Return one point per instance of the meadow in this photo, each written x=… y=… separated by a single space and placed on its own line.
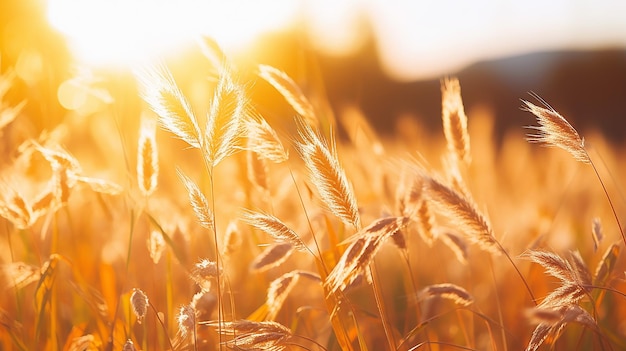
x=196 y=223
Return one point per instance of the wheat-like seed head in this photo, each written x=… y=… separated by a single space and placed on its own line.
x=554 y=130
x=232 y=239
x=290 y=91
x=263 y=140
x=186 y=320
x=552 y=321
x=139 y=303
x=156 y=245
x=164 y=97
x=275 y=228
x=224 y=126
x=449 y=291
x=328 y=176
x=249 y=335
x=19 y=274
x=273 y=256
x=607 y=263
x=147 y=158
x=129 y=346
x=462 y=211
x=572 y=272
x=204 y=272
x=456 y=243
x=198 y=202
x=257 y=170
x=596 y=233
x=278 y=291
x=85 y=342
x=357 y=257
x=455 y=120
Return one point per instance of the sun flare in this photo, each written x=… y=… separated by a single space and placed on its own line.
x=127 y=32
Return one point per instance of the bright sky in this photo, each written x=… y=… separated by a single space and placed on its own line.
x=417 y=39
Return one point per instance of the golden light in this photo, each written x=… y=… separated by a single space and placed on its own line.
x=128 y=32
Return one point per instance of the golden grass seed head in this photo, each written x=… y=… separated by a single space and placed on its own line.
x=204 y=272
x=147 y=158
x=139 y=303
x=273 y=256
x=129 y=346
x=204 y=303
x=156 y=245
x=186 y=319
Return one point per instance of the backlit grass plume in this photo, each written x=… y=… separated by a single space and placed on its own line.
x=164 y=97
x=554 y=130
x=328 y=176
x=147 y=158
x=455 y=120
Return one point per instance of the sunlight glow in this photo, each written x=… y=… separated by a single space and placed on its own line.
x=126 y=32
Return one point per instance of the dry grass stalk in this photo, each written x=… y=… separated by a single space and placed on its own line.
x=224 y=123
x=573 y=274
x=607 y=263
x=596 y=233
x=273 y=256
x=263 y=140
x=328 y=176
x=165 y=98
x=449 y=291
x=275 y=228
x=139 y=303
x=59 y=158
x=249 y=335
x=463 y=212
x=198 y=202
x=290 y=91
x=554 y=130
x=455 y=120
x=357 y=257
x=147 y=158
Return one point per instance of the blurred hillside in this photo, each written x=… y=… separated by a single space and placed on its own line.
x=588 y=87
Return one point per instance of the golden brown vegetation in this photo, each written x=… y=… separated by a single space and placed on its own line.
x=135 y=240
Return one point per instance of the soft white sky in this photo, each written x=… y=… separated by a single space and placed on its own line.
x=417 y=39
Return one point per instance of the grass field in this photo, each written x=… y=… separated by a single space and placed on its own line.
x=196 y=223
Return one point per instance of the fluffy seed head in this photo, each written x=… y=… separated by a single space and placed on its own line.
x=139 y=303
x=455 y=120
x=554 y=130
x=147 y=158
